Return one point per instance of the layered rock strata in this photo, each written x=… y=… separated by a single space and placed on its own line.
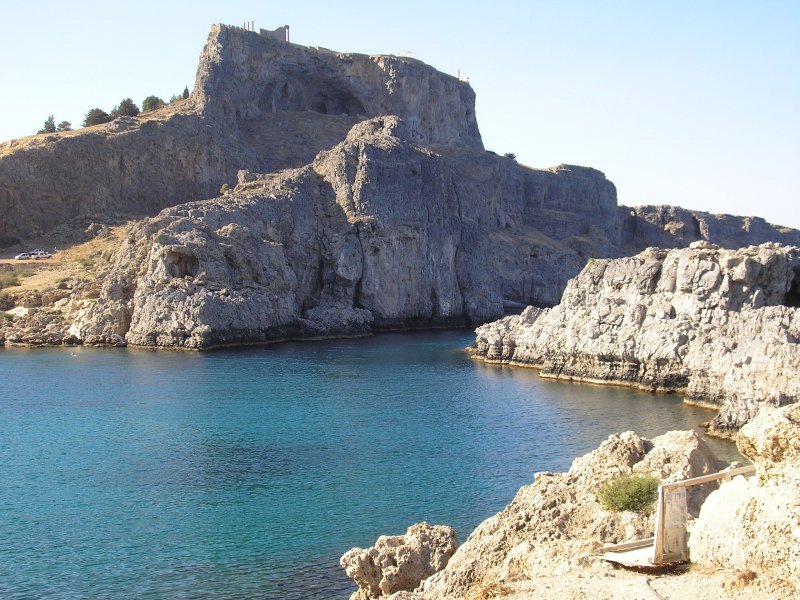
x=555 y=524
x=753 y=525
x=720 y=326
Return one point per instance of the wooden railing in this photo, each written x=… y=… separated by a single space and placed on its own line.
x=669 y=544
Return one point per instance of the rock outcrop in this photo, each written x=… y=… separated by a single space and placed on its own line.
x=675 y=227
x=364 y=201
x=400 y=562
x=720 y=326
x=555 y=524
x=376 y=233
x=258 y=104
x=753 y=525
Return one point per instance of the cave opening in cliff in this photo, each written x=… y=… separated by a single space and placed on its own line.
x=792 y=297
x=336 y=102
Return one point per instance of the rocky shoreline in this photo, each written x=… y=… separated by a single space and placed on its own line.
x=743 y=542
x=718 y=326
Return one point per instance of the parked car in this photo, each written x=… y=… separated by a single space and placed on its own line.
x=37 y=254
x=23 y=256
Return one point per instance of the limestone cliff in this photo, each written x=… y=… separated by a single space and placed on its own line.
x=258 y=104
x=719 y=326
x=356 y=222
x=377 y=232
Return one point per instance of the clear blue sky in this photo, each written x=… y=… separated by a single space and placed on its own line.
x=693 y=103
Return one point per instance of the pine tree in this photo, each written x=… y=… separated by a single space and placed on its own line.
x=49 y=125
x=65 y=126
x=186 y=92
x=126 y=108
x=152 y=103
x=96 y=116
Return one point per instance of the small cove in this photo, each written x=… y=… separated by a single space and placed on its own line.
x=247 y=473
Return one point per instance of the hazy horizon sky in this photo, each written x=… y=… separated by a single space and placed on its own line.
x=695 y=104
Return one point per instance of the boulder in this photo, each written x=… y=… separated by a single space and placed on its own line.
x=399 y=563
x=753 y=525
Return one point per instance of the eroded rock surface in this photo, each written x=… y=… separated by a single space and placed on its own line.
x=720 y=326
x=257 y=104
x=555 y=524
x=363 y=201
x=376 y=233
x=754 y=524
x=399 y=563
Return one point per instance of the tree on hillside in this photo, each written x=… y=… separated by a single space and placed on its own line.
x=186 y=92
x=65 y=126
x=126 y=108
x=96 y=116
x=174 y=98
x=49 y=125
x=152 y=103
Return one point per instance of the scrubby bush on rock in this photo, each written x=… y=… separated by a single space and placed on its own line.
x=636 y=493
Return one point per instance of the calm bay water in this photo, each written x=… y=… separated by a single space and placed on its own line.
x=247 y=473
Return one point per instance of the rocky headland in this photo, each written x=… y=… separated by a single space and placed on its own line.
x=719 y=326
x=362 y=200
x=744 y=533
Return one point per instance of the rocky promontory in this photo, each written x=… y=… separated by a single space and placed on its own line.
x=361 y=199
x=555 y=524
x=257 y=104
x=720 y=326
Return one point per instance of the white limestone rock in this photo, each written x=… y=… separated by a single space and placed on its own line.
x=555 y=524
x=753 y=524
x=720 y=326
x=398 y=563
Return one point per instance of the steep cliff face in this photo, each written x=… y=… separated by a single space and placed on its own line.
x=405 y=221
x=720 y=326
x=258 y=104
x=377 y=232
x=243 y=75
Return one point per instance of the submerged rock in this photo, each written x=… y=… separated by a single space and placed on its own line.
x=720 y=326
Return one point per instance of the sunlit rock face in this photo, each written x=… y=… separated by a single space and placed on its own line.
x=720 y=326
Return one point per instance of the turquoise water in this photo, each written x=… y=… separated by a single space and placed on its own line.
x=246 y=474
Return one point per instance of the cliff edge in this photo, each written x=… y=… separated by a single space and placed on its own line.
x=258 y=104
x=720 y=326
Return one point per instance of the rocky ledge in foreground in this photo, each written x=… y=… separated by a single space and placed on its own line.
x=720 y=326
x=552 y=525
x=745 y=543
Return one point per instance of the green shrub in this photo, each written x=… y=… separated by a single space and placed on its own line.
x=224 y=189
x=86 y=263
x=637 y=493
x=5 y=316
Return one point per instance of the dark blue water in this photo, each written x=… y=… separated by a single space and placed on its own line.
x=246 y=474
